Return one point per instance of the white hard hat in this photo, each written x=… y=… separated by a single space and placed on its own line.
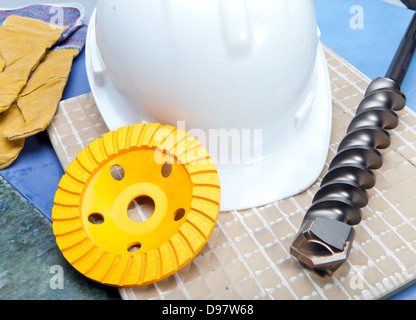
x=248 y=78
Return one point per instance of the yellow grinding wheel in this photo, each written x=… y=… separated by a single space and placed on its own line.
x=165 y=173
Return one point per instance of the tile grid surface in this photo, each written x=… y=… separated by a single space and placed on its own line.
x=247 y=256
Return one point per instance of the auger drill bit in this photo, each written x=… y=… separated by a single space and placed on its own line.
x=325 y=236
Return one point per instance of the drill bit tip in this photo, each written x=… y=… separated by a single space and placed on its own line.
x=323 y=244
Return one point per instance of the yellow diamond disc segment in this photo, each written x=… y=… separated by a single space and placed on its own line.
x=170 y=170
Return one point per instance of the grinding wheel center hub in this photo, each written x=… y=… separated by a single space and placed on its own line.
x=119 y=197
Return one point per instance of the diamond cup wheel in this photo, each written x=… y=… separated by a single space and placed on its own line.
x=137 y=205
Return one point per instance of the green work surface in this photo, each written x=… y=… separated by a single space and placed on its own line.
x=31 y=265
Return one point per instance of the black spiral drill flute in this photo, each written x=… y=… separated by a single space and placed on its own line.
x=326 y=234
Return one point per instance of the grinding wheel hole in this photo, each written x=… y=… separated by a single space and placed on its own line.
x=179 y=214
x=134 y=247
x=96 y=218
x=166 y=169
x=117 y=172
x=141 y=209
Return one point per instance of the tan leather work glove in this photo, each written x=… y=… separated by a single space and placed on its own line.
x=37 y=46
x=23 y=43
x=9 y=150
x=39 y=100
x=37 y=103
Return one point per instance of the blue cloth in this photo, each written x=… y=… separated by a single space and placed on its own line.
x=71 y=17
x=371 y=48
x=36 y=173
x=76 y=40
